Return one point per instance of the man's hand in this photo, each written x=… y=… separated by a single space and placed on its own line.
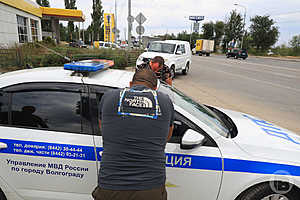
x=170 y=132
x=169 y=81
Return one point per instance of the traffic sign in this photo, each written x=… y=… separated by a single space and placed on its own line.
x=196 y=27
x=115 y=30
x=140 y=18
x=140 y=30
x=130 y=19
x=196 y=18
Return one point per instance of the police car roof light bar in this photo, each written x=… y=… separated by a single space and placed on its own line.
x=86 y=66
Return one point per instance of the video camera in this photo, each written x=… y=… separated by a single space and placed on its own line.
x=162 y=74
x=144 y=65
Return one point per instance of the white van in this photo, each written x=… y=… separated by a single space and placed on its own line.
x=177 y=55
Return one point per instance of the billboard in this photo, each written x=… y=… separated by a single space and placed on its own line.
x=196 y=18
x=109 y=25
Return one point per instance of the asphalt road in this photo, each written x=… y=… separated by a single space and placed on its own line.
x=266 y=88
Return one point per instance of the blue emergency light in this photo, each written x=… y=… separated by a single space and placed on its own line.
x=88 y=65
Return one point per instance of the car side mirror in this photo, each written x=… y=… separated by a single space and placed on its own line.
x=192 y=139
x=179 y=52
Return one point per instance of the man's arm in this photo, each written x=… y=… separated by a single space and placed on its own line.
x=99 y=124
x=170 y=132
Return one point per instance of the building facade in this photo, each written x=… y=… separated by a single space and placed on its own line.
x=20 y=22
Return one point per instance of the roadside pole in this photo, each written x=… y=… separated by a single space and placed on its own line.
x=129 y=19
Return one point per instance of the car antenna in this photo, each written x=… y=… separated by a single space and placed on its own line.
x=65 y=57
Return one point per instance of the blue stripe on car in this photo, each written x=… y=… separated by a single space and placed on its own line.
x=79 y=152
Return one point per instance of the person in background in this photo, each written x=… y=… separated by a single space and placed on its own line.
x=162 y=71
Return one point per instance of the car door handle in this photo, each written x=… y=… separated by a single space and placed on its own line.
x=3 y=145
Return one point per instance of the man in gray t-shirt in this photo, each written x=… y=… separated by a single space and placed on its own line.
x=136 y=124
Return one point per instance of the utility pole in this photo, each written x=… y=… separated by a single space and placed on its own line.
x=244 y=31
x=129 y=23
x=116 y=22
x=191 y=33
x=83 y=32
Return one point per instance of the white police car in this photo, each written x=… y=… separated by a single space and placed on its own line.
x=50 y=143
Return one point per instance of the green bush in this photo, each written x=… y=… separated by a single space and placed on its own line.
x=38 y=56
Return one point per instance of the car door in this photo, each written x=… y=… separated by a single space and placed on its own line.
x=179 y=57
x=49 y=150
x=195 y=173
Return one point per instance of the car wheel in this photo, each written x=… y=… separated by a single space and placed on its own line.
x=227 y=56
x=236 y=57
x=173 y=74
x=265 y=192
x=244 y=58
x=186 y=70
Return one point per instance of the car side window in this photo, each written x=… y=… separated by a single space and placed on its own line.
x=95 y=99
x=96 y=93
x=183 y=48
x=3 y=108
x=50 y=110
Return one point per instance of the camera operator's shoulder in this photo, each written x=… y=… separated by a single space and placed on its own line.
x=163 y=97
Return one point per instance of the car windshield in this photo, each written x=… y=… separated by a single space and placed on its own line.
x=162 y=47
x=199 y=111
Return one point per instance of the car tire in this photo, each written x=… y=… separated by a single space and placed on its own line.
x=244 y=58
x=265 y=192
x=186 y=70
x=2 y=195
x=236 y=57
x=227 y=56
x=173 y=74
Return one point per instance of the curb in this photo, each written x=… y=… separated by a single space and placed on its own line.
x=275 y=58
x=271 y=58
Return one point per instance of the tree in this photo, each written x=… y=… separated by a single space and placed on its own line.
x=263 y=32
x=63 y=32
x=295 y=42
x=70 y=4
x=233 y=28
x=46 y=24
x=219 y=31
x=97 y=20
x=187 y=37
x=208 y=31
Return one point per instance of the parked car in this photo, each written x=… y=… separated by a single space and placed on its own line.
x=51 y=144
x=270 y=53
x=177 y=55
x=237 y=53
x=78 y=44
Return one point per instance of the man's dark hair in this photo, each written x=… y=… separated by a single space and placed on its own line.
x=158 y=59
x=145 y=75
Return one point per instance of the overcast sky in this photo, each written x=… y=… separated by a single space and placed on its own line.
x=171 y=16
